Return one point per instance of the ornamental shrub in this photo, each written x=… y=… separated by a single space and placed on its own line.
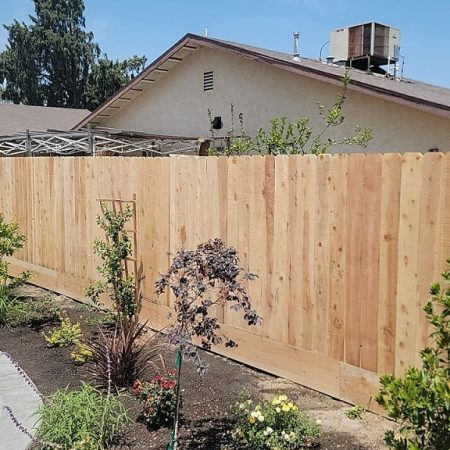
x=158 y=398
x=200 y=280
x=420 y=400
x=10 y=241
x=82 y=353
x=271 y=425
x=66 y=334
x=84 y=419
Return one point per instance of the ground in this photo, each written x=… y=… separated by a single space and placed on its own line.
x=207 y=399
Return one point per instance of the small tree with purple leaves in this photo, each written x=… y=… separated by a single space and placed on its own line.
x=202 y=280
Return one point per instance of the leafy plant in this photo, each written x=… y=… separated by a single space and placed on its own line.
x=159 y=398
x=297 y=137
x=10 y=241
x=114 y=252
x=421 y=399
x=66 y=334
x=97 y=316
x=19 y=312
x=202 y=280
x=355 y=412
x=276 y=424
x=122 y=357
x=82 y=353
x=84 y=419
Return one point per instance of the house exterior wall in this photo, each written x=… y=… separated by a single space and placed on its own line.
x=177 y=105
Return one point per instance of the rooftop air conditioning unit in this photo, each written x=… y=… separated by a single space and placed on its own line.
x=366 y=45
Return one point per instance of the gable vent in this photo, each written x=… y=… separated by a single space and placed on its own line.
x=208 y=81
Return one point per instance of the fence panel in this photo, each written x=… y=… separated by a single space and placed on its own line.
x=345 y=247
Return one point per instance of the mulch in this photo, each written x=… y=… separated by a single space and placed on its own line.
x=207 y=399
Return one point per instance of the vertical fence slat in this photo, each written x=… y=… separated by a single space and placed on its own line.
x=322 y=253
x=408 y=262
x=295 y=236
x=281 y=250
x=429 y=264
x=369 y=259
x=338 y=240
x=354 y=284
x=308 y=199
x=257 y=254
x=390 y=209
x=269 y=193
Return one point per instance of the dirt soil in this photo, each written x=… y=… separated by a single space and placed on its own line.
x=206 y=399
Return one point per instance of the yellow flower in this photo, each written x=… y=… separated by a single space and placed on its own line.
x=252 y=419
x=285 y=407
x=282 y=398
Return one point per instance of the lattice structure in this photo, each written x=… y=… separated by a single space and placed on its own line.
x=131 y=263
x=96 y=143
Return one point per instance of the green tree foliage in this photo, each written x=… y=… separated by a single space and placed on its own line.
x=285 y=137
x=10 y=241
x=114 y=252
x=54 y=61
x=420 y=400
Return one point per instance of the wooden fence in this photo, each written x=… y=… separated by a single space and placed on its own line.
x=345 y=247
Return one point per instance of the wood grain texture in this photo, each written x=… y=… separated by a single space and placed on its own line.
x=388 y=269
x=344 y=246
x=408 y=263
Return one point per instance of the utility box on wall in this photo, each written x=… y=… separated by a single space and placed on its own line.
x=364 y=45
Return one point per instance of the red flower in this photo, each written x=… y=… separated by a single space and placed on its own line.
x=137 y=388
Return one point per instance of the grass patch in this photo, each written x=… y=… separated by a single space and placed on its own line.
x=22 y=312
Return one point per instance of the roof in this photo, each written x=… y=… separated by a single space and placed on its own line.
x=16 y=119
x=415 y=94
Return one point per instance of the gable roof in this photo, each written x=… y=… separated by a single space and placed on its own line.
x=415 y=94
x=16 y=119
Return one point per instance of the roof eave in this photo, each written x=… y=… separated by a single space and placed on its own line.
x=139 y=78
x=192 y=39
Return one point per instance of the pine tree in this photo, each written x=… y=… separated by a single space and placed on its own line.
x=54 y=61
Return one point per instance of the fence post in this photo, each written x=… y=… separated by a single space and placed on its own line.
x=28 y=142
x=90 y=140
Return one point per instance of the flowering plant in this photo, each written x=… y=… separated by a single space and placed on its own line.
x=159 y=399
x=272 y=425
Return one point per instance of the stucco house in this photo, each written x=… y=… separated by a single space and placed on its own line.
x=173 y=94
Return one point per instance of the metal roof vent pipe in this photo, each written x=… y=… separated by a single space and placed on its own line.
x=296 y=46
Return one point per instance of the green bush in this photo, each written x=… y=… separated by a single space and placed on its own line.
x=19 y=312
x=82 y=353
x=278 y=424
x=84 y=419
x=66 y=334
x=286 y=137
x=10 y=241
x=159 y=398
x=420 y=400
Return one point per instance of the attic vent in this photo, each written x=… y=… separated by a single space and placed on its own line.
x=208 y=81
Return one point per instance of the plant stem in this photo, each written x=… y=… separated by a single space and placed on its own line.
x=174 y=436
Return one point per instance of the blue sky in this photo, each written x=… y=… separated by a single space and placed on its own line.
x=123 y=28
